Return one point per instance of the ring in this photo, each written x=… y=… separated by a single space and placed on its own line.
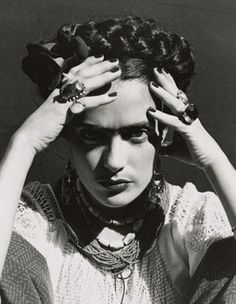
x=77 y=102
x=182 y=97
x=70 y=92
x=189 y=114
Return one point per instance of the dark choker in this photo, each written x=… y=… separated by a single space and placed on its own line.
x=87 y=224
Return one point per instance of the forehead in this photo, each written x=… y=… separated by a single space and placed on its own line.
x=130 y=107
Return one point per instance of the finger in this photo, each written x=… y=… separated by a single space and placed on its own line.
x=86 y=63
x=166 y=81
x=92 y=102
x=166 y=119
x=99 y=68
x=168 y=99
x=101 y=80
x=168 y=76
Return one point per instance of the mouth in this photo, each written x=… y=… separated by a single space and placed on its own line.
x=114 y=186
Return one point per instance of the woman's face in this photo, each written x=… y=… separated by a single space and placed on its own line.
x=111 y=148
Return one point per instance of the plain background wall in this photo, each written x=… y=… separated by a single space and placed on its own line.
x=210 y=26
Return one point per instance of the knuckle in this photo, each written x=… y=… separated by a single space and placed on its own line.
x=90 y=60
x=74 y=69
x=83 y=73
x=107 y=65
x=105 y=78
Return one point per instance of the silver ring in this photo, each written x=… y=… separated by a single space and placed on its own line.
x=189 y=114
x=182 y=97
x=81 y=89
x=77 y=102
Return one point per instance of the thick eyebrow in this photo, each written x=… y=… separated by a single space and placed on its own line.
x=139 y=125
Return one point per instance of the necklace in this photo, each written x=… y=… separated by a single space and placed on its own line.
x=84 y=228
x=137 y=213
x=108 y=237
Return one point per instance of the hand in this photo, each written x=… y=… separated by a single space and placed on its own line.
x=191 y=144
x=46 y=123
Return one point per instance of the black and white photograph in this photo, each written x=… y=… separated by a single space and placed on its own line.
x=117 y=152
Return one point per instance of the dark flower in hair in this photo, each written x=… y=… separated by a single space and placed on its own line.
x=41 y=67
x=40 y=64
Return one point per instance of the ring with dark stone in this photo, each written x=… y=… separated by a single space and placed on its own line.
x=189 y=114
x=70 y=92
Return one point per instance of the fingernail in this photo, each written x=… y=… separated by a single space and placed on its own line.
x=98 y=55
x=164 y=70
x=113 y=59
x=113 y=94
x=151 y=109
x=155 y=84
x=157 y=69
x=115 y=69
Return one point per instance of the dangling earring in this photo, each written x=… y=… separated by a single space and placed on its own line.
x=68 y=180
x=157 y=187
x=68 y=171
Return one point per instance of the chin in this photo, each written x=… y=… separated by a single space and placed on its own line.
x=119 y=200
x=116 y=201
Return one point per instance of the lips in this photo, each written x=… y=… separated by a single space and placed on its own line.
x=113 y=185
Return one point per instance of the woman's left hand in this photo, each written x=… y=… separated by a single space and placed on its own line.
x=191 y=144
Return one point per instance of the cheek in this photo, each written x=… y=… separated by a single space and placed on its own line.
x=87 y=159
x=94 y=156
x=142 y=159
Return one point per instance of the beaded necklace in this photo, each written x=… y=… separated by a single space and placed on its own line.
x=86 y=223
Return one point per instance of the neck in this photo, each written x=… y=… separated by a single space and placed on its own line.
x=130 y=209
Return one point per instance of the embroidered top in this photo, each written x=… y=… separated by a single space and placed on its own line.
x=193 y=222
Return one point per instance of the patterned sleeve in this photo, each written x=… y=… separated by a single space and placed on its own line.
x=30 y=221
x=201 y=220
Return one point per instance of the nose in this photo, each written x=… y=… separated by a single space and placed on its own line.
x=115 y=155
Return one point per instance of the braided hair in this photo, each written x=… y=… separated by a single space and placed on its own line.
x=139 y=44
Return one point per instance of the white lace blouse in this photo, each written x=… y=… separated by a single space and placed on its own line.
x=194 y=220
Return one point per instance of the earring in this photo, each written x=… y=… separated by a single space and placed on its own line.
x=155 y=186
x=68 y=171
x=68 y=180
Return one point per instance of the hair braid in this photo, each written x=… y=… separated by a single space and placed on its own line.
x=139 y=44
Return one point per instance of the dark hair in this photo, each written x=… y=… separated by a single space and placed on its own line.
x=138 y=43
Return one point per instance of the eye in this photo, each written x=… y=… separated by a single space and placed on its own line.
x=138 y=135
x=92 y=136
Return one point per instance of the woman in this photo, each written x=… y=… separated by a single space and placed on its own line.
x=113 y=230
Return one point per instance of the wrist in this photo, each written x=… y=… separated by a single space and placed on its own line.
x=217 y=162
x=20 y=144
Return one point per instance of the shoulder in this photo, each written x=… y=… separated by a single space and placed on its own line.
x=199 y=219
x=41 y=197
x=25 y=262
x=195 y=210
x=37 y=215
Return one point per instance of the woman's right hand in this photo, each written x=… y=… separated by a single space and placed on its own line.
x=46 y=123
